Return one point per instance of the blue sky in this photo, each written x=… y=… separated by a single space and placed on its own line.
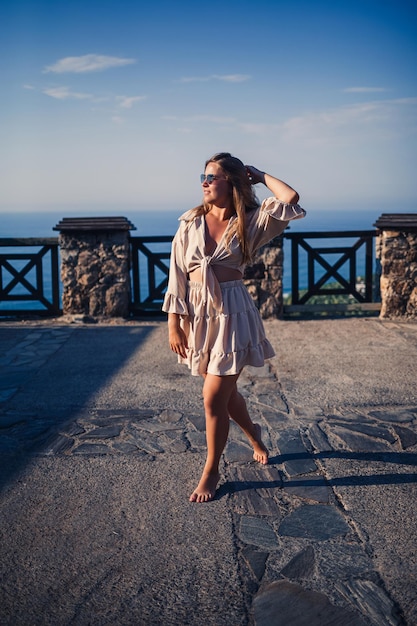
x=116 y=104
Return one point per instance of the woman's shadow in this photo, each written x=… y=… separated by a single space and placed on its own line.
x=230 y=487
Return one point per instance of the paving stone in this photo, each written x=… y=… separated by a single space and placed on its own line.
x=408 y=438
x=259 y=372
x=274 y=419
x=254 y=504
x=282 y=603
x=58 y=444
x=237 y=452
x=301 y=566
x=318 y=439
x=109 y=415
x=92 y=448
x=308 y=413
x=393 y=415
x=256 y=561
x=35 y=334
x=252 y=492
x=106 y=432
x=338 y=561
x=350 y=417
x=246 y=392
x=174 y=441
x=73 y=429
x=36 y=430
x=169 y=416
x=372 y=600
x=177 y=447
x=358 y=442
x=196 y=439
x=379 y=432
x=272 y=476
x=198 y=421
x=149 y=445
x=310 y=488
x=156 y=427
x=294 y=455
x=319 y=522
x=257 y=532
x=263 y=478
x=275 y=402
x=125 y=447
x=268 y=386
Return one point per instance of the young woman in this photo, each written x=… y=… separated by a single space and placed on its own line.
x=214 y=326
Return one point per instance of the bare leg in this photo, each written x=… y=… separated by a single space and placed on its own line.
x=216 y=393
x=239 y=413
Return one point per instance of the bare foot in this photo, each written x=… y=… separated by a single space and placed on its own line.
x=260 y=453
x=206 y=488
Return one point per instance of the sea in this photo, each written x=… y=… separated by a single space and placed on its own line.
x=165 y=222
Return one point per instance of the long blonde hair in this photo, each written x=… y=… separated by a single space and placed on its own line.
x=243 y=198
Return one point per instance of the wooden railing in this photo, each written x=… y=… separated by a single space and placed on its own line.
x=29 y=276
x=334 y=270
x=149 y=272
x=29 y=273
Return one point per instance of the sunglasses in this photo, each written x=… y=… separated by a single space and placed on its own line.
x=209 y=178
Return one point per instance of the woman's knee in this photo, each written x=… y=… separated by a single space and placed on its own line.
x=217 y=393
x=213 y=402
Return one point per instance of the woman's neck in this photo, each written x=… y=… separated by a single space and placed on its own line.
x=221 y=213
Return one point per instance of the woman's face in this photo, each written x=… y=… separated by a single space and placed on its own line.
x=218 y=192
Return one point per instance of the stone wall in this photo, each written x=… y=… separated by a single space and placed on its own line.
x=396 y=249
x=264 y=279
x=95 y=265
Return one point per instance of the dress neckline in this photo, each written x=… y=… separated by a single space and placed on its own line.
x=217 y=244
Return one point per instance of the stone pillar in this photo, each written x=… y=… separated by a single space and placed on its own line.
x=264 y=278
x=95 y=265
x=396 y=249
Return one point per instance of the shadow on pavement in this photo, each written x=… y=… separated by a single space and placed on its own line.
x=53 y=387
x=398 y=458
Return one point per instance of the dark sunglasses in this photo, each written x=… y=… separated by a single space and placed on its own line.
x=208 y=178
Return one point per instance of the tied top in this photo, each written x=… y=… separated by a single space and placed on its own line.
x=188 y=250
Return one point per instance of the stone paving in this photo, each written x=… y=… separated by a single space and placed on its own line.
x=302 y=558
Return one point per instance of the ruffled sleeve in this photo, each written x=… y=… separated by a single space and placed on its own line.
x=175 y=296
x=271 y=219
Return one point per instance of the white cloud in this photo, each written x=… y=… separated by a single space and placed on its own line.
x=228 y=78
x=126 y=102
x=346 y=125
x=30 y=87
x=342 y=116
x=87 y=63
x=64 y=93
x=364 y=90
x=404 y=101
x=232 y=78
x=363 y=124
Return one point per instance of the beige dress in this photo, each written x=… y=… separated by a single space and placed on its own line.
x=222 y=324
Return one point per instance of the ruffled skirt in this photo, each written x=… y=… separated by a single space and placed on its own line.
x=223 y=342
